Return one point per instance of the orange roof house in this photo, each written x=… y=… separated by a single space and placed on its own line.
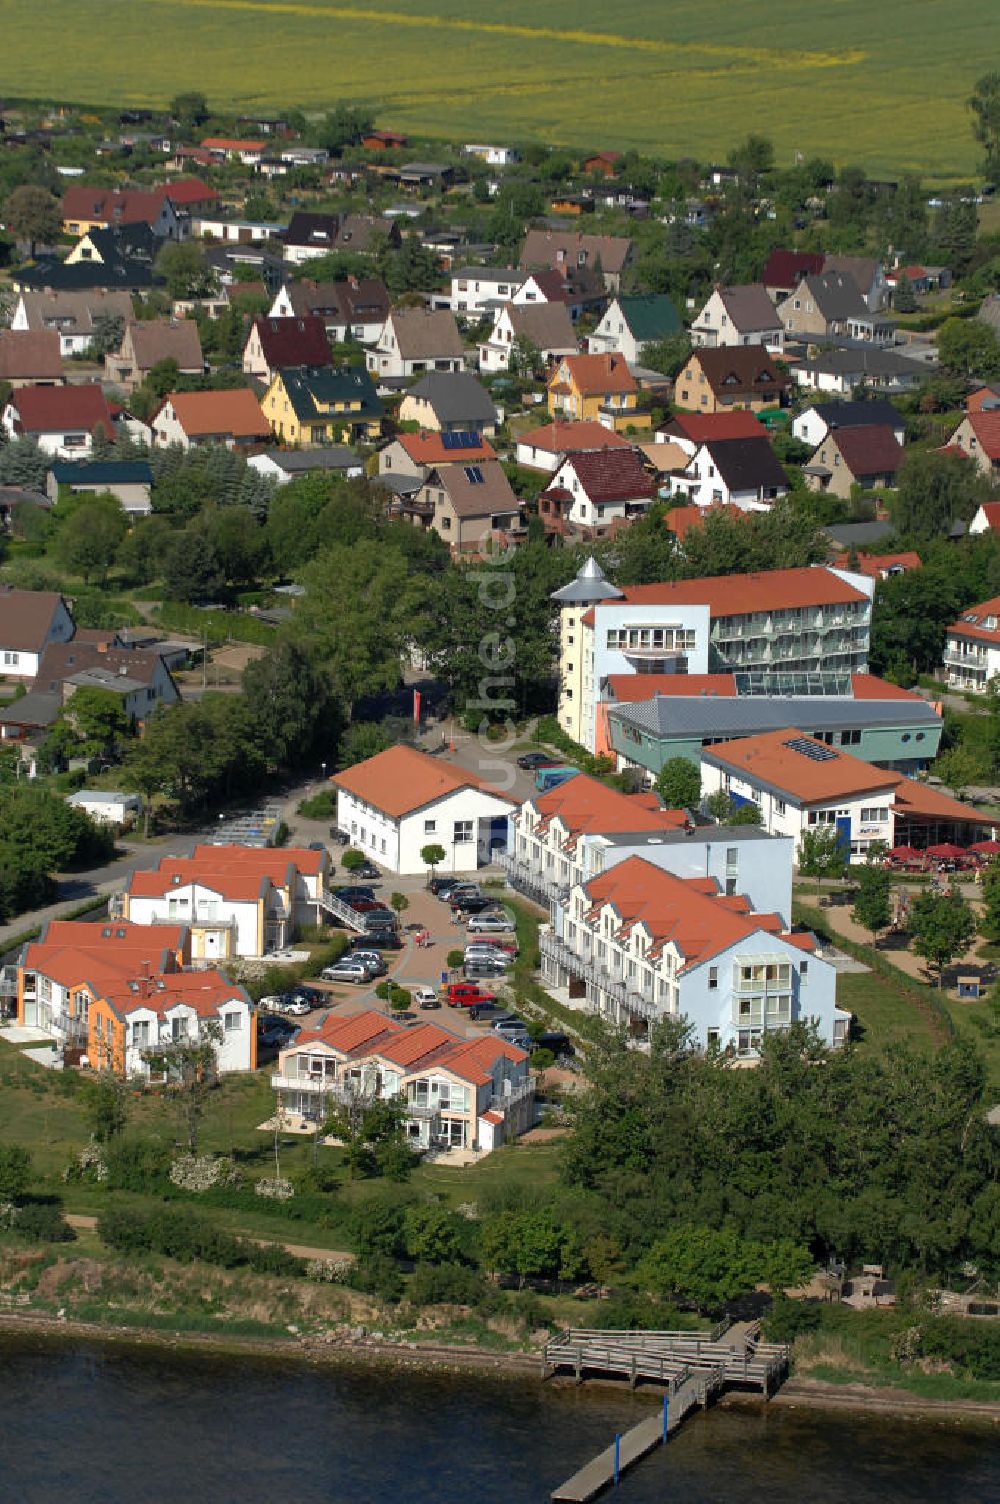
x=233 y=418
x=600 y=388
x=401 y=800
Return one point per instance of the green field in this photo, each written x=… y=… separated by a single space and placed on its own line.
x=884 y=84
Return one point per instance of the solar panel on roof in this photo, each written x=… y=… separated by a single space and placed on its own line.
x=815 y=751
x=474 y=475
x=450 y=440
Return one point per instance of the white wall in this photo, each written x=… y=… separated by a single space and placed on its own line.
x=787 y=818
x=193 y=903
x=396 y=844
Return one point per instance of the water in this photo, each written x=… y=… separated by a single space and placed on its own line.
x=90 y=1425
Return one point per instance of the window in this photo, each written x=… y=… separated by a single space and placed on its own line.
x=713 y=978
x=140 y=1031
x=874 y=815
x=463 y=832
x=430 y=826
x=178 y=1028
x=11 y=657
x=803 y=971
x=232 y=1022
x=779 y=806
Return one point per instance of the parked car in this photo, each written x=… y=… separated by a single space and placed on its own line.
x=275 y=1031
x=469 y=903
x=317 y=846
x=270 y=1004
x=442 y=886
x=485 y=950
x=377 y=932
x=342 y=837
x=531 y=761
x=295 y=1007
x=354 y=890
x=493 y=919
x=368 y=957
x=367 y=869
x=346 y=971
x=467 y=994
x=314 y=996
x=366 y=905
x=426 y=997
x=484 y=971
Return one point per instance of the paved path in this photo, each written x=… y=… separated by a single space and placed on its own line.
x=84 y=1223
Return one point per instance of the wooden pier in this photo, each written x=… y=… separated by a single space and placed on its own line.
x=691 y=1369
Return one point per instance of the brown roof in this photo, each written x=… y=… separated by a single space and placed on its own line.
x=740 y=594
x=867 y=450
x=55 y=409
x=561 y=248
x=402 y=779
x=74 y=312
x=476 y=490
x=27 y=355
x=236 y=412
x=730 y=370
x=154 y=340
x=428 y=448
x=613 y=475
x=547 y=325
x=800 y=766
x=749 y=307
x=61 y=660
x=26 y=616
x=426 y=334
x=700 y=427
x=110 y=207
x=294 y=342
x=570 y=438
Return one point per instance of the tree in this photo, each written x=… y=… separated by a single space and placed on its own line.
x=15 y=1171
x=989 y=919
x=719 y=805
x=238 y=542
x=189 y=1065
x=33 y=214
x=752 y=158
x=747 y=813
x=967 y=347
x=109 y=330
x=821 y=854
x=182 y=266
x=433 y=1234
x=942 y=926
x=431 y=856
x=190 y=568
x=678 y=783
x=667 y=355
x=985 y=106
x=400 y=902
x=935 y=490
x=873 y=901
x=106 y=1099
x=189 y=109
x=527 y=1243
x=352 y=859
x=290 y=703
x=957 y=768
x=361 y=740
x=88 y=541
x=904 y=299
x=526 y=359
x=701 y=1264
x=98 y=719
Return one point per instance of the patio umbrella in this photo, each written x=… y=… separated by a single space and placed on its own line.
x=905 y=854
x=986 y=848
x=946 y=852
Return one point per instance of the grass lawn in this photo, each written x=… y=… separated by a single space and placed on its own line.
x=885 y=1013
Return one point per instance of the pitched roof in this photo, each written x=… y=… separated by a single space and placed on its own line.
x=477 y=490
x=102 y=473
x=868 y=451
x=612 y=475
x=316 y=393
x=649 y=315
x=403 y=779
x=806 y=770
x=455 y=396
x=30 y=355
x=699 y=427
x=299 y=341
x=741 y=594
x=73 y=312
x=986 y=427
x=569 y=438
x=924 y=801
x=354 y=300
x=557 y=248
x=746 y=464
x=426 y=334
x=689 y=914
x=55 y=409
x=154 y=340
x=877 y=566
x=975 y=621
x=105 y=953
x=128 y=206
x=836 y=296
x=114 y=272
x=588 y=807
x=236 y=412
x=62 y=660
x=878 y=412
x=184 y=191
x=593 y=375
x=26 y=616
x=547 y=325
x=732 y=369
x=991 y=514
x=862 y=268
x=428 y=447
x=749 y=307
x=785 y=268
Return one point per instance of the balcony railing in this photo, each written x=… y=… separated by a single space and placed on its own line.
x=425 y=1111
x=529 y=881
x=618 y=988
x=518 y=1091
x=975 y=660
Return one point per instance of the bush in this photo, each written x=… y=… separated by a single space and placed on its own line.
x=377 y=1274
x=788 y=1319
x=44 y=1221
x=445 y=1284
x=377 y=1227
x=542 y=1059
x=137 y=1165
x=322 y=806
x=173 y=1232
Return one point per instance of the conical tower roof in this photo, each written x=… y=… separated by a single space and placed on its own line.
x=591 y=585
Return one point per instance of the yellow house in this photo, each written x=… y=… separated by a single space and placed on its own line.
x=596 y=388
x=309 y=405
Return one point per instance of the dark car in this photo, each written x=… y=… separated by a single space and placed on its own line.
x=475 y=971
x=342 y=837
x=471 y=903
x=311 y=995
x=356 y=890
x=532 y=760
x=369 y=870
x=442 y=886
x=382 y=935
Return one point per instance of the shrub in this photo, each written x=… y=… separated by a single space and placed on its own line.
x=322 y=806
x=137 y=1165
x=788 y=1319
x=44 y=1221
x=445 y=1284
x=378 y=1229
x=377 y=1274
x=542 y=1059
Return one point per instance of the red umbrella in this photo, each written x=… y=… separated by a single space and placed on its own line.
x=986 y=848
x=905 y=854
x=946 y=852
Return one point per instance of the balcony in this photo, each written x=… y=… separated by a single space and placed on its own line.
x=975 y=661
x=612 y=984
x=424 y=1111
x=518 y=1091
x=312 y=1082
x=529 y=881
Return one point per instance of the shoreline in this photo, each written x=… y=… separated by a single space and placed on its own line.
x=334 y=1352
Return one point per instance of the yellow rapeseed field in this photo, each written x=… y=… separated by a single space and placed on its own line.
x=884 y=83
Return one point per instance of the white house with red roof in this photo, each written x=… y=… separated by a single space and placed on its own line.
x=546 y=447
x=598 y=487
x=235 y=901
x=972 y=645
x=978 y=437
x=581 y=828
x=29 y=621
x=60 y=419
x=456 y=1093
x=638 y=945
x=401 y=800
x=987 y=519
x=808 y=621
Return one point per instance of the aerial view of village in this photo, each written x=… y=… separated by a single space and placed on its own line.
x=499 y=752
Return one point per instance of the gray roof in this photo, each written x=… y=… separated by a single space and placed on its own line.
x=858 y=414
x=455 y=396
x=855 y=534
x=295 y=461
x=864 y=360
x=398 y=483
x=837 y=296
x=590 y=585
x=749 y=307
x=704 y=716
x=701 y=835
x=37 y=708
x=489 y=273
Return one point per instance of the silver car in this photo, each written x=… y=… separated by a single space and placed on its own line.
x=346 y=971
x=495 y=921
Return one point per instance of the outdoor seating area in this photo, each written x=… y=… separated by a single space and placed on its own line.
x=943 y=857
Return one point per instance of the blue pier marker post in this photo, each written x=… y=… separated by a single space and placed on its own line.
x=666 y=1403
x=618 y=1444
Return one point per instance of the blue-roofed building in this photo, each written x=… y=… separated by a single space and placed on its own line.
x=130 y=480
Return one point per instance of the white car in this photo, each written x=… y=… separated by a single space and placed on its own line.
x=425 y=997
x=491 y=923
x=271 y=1004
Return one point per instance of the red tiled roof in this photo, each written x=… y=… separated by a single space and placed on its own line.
x=973 y=622
x=568 y=438
x=739 y=594
x=986 y=427
x=593 y=375
x=921 y=800
x=231 y=143
x=702 y=427
x=356 y=1032
x=871 y=449
x=403 y=779
x=768 y=760
x=57 y=409
x=869 y=687
x=877 y=565
x=428 y=448
x=787 y=268
x=187 y=191
x=991 y=512
x=612 y=475
x=585 y=805
x=132 y=206
x=294 y=341
x=235 y=412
